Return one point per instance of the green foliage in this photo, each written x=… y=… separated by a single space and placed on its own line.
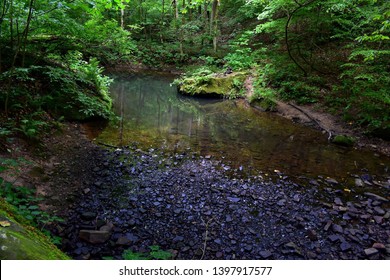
x=22 y=198
x=156 y=253
x=242 y=56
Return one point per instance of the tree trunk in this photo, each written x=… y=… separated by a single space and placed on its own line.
x=26 y=29
x=214 y=23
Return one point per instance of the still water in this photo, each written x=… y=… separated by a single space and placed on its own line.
x=155 y=116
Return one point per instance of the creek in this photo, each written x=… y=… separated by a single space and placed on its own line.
x=155 y=116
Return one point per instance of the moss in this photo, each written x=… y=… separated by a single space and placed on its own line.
x=344 y=140
x=230 y=86
x=21 y=241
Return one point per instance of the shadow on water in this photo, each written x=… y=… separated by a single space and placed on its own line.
x=155 y=115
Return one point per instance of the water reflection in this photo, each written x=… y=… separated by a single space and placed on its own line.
x=154 y=114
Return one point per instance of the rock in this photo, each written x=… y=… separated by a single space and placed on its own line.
x=297 y=198
x=337 y=228
x=334 y=237
x=379 y=210
x=233 y=199
x=338 y=201
x=88 y=216
x=359 y=183
x=281 y=202
x=94 y=236
x=327 y=226
x=123 y=240
x=178 y=239
x=344 y=140
x=378 y=219
x=345 y=246
x=312 y=234
x=229 y=218
x=375 y=196
x=265 y=254
x=331 y=181
x=370 y=252
x=379 y=246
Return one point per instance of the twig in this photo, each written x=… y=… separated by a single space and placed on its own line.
x=312 y=119
x=205 y=237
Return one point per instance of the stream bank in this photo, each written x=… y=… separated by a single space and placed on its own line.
x=202 y=208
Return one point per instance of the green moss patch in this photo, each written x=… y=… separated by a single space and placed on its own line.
x=20 y=241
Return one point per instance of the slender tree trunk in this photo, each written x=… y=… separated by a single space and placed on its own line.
x=26 y=29
x=214 y=23
x=123 y=17
x=4 y=9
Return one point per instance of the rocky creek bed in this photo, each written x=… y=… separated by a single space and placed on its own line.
x=201 y=208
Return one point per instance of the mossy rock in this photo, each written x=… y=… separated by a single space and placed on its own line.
x=230 y=86
x=344 y=140
x=264 y=104
x=20 y=241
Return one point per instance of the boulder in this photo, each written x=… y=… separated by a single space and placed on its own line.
x=21 y=241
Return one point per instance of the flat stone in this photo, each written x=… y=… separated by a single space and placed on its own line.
x=345 y=246
x=375 y=196
x=379 y=246
x=331 y=181
x=337 y=228
x=265 y=254
x=379 y=210
x=370 y=251
x=94 y=236
x=338 y=201
x=281 y=202
x=334 y=237
x=327 y=226
x=233 y=199
x=378 y=219
x=123 y=240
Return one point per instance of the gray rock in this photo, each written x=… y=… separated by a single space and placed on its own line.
x=338 y=201
x=331 y=181
x=378 y=219
x=337 y=228
x=370 y=252
x=379 y=210
x=265 y=254
x=359 y=183
x=375 y=196
x=233 y=199
x=94 y=236
x=123 y=240
x=345 y=246
x=379 y=246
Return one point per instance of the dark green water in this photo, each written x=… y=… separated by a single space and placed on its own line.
x=154 y=115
